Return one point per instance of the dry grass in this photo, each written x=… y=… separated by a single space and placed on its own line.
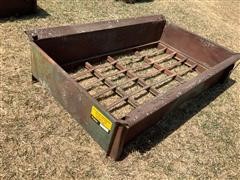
x=38 y=139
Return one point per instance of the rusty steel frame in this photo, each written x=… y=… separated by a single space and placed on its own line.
x=17 y=7
x=56 y=52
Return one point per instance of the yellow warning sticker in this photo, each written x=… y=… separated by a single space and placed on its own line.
x=101 y=119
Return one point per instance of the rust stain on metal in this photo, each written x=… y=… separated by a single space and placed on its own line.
x=140 y=69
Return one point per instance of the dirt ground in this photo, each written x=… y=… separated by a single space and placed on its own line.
x=39 y=139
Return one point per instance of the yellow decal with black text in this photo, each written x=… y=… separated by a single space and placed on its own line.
x=101 y=119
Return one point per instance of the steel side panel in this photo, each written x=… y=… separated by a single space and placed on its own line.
x=72 y=97
x=160 y=113
x=201 y=49
x=64 y=31
x=152 y=112
x=92 y=41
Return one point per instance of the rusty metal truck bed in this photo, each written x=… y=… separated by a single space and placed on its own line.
x=117 y=78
